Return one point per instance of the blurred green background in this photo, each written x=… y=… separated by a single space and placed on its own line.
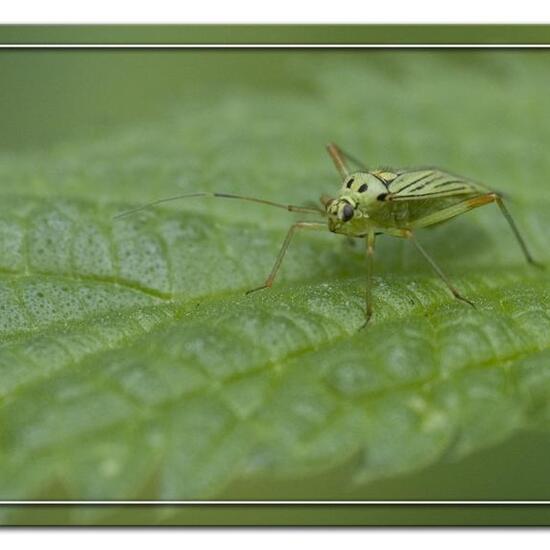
x=51 y=98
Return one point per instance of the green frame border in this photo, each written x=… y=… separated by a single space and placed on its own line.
x=270 y=34
x=296 y=35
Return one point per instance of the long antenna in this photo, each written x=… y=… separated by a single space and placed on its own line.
x=289 y=207
x=339 y=158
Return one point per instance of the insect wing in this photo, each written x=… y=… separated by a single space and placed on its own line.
x=431 y=184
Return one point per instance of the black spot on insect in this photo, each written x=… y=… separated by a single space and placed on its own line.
x=350 y=181
x=382 y=196
x=363 y=188
x=347 y=212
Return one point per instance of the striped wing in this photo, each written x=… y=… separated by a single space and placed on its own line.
x=424 y=197
x=431 y=184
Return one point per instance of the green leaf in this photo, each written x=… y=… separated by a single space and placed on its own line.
x=133 y=365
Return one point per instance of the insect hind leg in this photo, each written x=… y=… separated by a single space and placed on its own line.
x=470 y=204
x=521 y=241
x=409 y=235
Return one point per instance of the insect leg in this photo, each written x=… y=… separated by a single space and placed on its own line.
x=470 y=204
x=371 y=237
x=293 y=228
x=436 y=268
x=512 y=224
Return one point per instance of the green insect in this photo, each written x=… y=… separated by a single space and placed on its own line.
x=385 y=201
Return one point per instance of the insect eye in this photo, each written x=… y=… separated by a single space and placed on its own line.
x=350 y=181
x=347 y=213
x=363 y=188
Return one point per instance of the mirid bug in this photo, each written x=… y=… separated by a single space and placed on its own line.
x=385 y=201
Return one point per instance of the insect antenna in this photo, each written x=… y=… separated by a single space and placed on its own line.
x=339 y=158
x=354 y=160
x=289 y=207
x=336 y=155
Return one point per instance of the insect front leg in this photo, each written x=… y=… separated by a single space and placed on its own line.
x=293 y=228
x=409 y=235
x=370 y=240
